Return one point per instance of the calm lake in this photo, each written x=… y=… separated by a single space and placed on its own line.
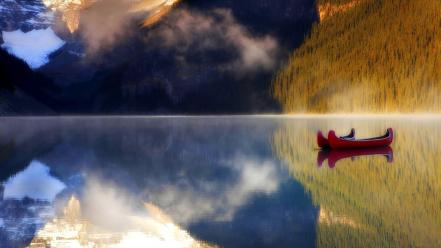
x=217 y=182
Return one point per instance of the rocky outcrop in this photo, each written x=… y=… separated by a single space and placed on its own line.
x=24 y=15
x=327 y=10
x=70 y=10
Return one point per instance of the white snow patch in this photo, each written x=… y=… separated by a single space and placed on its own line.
x=34 y=182
x=33 y=47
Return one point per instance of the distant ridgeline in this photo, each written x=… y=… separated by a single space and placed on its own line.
x=369 y=202
x=366 y=56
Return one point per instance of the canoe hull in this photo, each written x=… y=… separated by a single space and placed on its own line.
x=323 y=142
x=339 y=143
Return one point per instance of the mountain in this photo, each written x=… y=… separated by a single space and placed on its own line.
x=24 y=15
x=366 y=56
x=18 y=91
x=163 y=56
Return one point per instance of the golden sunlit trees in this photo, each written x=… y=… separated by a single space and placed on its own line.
x=377 y=56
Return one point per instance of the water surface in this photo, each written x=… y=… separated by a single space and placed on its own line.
x=216 y=182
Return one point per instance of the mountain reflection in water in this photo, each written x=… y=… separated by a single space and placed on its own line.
x=216 y=182
x=213 y=177
x=154 y=230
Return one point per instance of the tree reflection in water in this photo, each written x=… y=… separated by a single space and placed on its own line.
x=391 y=206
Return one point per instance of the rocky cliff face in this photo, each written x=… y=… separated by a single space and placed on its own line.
x=327 y=10
x=25 y=15
x=70 y=10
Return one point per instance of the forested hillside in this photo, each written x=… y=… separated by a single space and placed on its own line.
x=368 y=56
x=18 y=94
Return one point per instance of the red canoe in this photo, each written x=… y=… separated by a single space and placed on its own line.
x=341 y=143
x=324 y=143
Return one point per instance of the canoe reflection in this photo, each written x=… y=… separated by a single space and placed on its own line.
x=333 y=156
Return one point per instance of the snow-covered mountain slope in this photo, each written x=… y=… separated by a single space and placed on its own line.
x=34 y=47
x=26 y=31
x=27 y=26
x=25 y=15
